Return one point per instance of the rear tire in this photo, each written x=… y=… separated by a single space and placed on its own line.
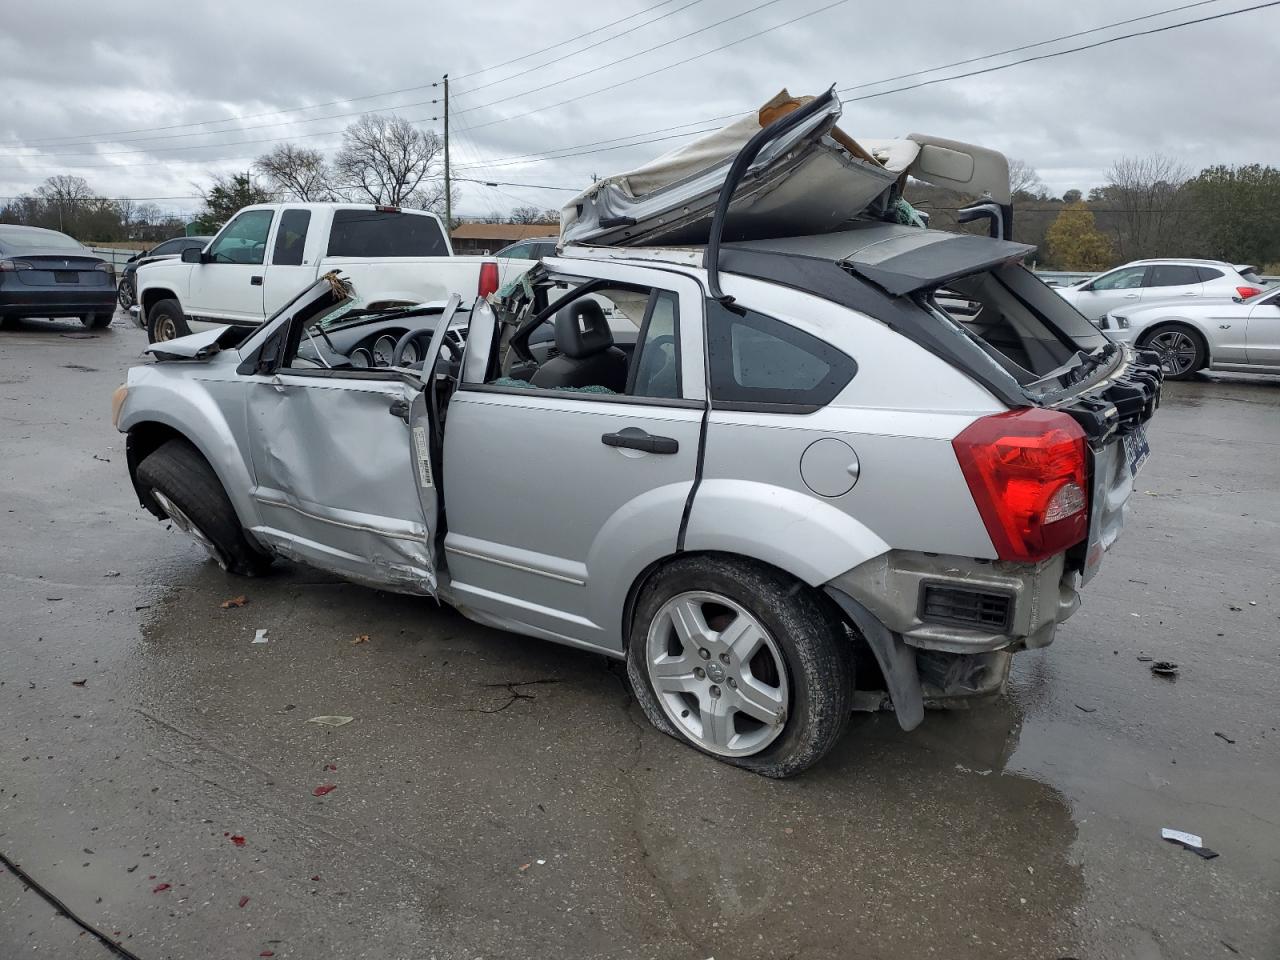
x=1181 y=348
x=166 y=321
x=799 y=671
x=124 y=294
x=96 y=321
x=181 y=484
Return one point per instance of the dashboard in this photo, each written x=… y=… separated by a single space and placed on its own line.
x=371 y=344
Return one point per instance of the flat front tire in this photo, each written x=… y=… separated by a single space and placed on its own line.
x=166 y=321
x=741 y=662
x=184 y=487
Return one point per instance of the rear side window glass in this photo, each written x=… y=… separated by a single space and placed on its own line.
x=757 y=360
x=375 y=233
x=1208 y=273
x=291 y=237
x=1172 y=275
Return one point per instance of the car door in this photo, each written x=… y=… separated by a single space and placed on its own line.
x=1264 y=332
x=290 y=268
x=1119 y=288
x=557 y=499
x=343 y=470
x=227 y=284
x=1171 y=281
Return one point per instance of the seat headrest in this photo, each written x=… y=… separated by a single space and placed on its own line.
x=582 y=329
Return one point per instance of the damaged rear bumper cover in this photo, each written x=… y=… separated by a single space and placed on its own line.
x=944 y=629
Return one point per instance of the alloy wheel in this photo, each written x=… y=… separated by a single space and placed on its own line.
x=1176 y=349
x=718 y=674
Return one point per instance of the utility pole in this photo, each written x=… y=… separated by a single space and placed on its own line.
x=448 y=183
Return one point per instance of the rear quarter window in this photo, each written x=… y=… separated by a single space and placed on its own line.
x=376 y=233
x=1208 y=273
x=757 y=362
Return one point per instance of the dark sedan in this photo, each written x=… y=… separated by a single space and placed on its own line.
x=168 y=250
x=44 y=273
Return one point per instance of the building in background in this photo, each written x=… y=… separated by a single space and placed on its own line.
x=481 y=238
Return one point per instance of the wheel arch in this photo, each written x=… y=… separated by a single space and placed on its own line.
x=149 y=297
x=215 y=443
x=1164 y=323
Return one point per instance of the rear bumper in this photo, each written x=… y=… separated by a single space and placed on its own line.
x=56 y=302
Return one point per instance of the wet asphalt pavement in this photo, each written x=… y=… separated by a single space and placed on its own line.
x=500 y=797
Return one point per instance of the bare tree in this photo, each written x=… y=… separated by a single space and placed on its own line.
x=385 y=159
x=296 y=172
x=1025 y=182
x=1142 y=195
x=527 y=215
x=63 y=195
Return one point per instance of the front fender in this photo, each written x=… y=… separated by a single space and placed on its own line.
x=190 y=409
x=812 y=540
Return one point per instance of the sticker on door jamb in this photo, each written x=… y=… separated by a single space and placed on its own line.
x=422 y=450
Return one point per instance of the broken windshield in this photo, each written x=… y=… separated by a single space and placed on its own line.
x=1028 y=329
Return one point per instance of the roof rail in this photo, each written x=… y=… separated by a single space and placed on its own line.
x=738 y=170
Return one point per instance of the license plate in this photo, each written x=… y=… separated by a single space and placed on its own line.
x=1136 y=449
x=66 y=276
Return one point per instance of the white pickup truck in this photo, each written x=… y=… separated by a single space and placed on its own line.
x=269 y=252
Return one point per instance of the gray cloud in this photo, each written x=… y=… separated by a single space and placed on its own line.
x=1199 y=93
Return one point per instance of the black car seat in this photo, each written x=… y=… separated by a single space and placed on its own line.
x=587 y=355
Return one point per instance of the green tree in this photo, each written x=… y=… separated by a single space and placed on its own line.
x=1237 y=209
x=226 y=196
x=1075 y=242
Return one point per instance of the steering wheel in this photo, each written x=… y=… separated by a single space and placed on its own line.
x=422 y=340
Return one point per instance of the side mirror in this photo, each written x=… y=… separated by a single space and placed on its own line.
x=193 y=255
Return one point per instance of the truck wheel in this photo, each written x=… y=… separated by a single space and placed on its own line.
x=166 y=321
x=96 y=321
x=124 y=294
x=184 y=487
x=741 y=662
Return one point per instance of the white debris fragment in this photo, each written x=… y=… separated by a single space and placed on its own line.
x=331 y=721
x=1180 y=837
x=259 y=637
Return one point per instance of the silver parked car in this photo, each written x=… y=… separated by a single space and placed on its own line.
x=1149 y=281
x=801 y=485
x=1240 y=334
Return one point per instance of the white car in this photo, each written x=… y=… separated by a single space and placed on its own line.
x=1149 y=281
x=1240 y=334
x=268 y=252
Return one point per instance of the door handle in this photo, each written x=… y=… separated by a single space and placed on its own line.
x=399 y=408
x=1191 y=293
x=633 y=438
x=256 y=280
x=1131 y=296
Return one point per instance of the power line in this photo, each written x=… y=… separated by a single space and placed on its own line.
x=678 y=63
x=1059 y=53
x=1031 y=46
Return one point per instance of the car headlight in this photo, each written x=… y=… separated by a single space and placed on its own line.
x=1122 y=323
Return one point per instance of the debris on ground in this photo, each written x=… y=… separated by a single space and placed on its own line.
x=239 y=601
x=1164 y=668
x=1144 y=659
x=78 y=683
x=1087 y=709
x=103 y=459
x=1188 y=841
x=112 y=573
x=260 y=636
x=161 y=887
x=331 y=766
x=243 y=901
x=360 y=638
x=331 y=721
x=323 y=789
x=238 y=840
x=1223 y=736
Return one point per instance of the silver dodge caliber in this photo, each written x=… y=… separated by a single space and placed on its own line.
x=777 y=475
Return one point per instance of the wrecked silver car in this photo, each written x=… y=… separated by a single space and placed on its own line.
x=769 y=469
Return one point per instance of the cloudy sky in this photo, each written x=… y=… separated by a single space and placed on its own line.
x=143 y=99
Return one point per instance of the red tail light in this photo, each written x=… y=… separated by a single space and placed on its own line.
x=1027 y=473
x=488 y=279
x=1244 y=293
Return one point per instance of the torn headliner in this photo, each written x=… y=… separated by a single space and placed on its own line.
x=897 y=259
